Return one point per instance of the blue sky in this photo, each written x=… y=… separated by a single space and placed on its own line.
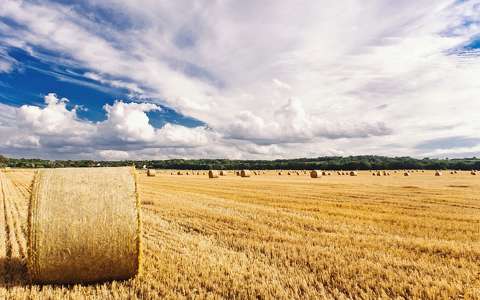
x=34 y=79
x=159 y=79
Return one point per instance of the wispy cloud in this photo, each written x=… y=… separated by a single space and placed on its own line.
x=363 y=74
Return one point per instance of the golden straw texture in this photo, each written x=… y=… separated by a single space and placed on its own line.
x=84 y=226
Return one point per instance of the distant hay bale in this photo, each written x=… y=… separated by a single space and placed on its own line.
x=255 y=173
x=279 y=173
x=438 y=173
x=223 y=173
x=179 y=173
x=329 y=173
x=151 y=173
x=353 y=173
x=473 y=173
x=324 y=173
x=298 y=173
x=212 y=174
x=245 y=173
x=84 y=226
x=315 y=174
x=406 y=174
x=379 y=173
x=374 y=174
x=288 y=173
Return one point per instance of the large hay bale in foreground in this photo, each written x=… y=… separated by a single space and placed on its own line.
x=84 y=226
x=151 y=173
x=315 y=174
x=212 y=174
x=245 y=173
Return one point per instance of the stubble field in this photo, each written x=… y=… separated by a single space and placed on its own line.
x=281 y=237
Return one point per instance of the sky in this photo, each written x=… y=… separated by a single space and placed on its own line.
x=155 y=79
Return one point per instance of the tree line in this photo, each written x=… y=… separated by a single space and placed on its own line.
x=365 y=162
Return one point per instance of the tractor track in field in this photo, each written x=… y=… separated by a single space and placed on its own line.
x=14 y=230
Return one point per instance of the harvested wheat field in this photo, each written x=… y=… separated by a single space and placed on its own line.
x=282 y=237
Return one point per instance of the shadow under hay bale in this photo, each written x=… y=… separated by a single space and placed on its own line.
x=84 y=226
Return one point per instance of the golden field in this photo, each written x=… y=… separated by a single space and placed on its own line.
x=282 y=237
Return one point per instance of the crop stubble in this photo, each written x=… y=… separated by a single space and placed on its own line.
x=278 y=236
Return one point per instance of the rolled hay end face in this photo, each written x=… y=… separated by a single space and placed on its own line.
x=84 y=226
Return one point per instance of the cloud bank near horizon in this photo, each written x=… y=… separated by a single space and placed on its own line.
x=268 y=81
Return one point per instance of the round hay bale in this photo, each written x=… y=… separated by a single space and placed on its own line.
x=473 y=173
x=179 y=173
x=353 y=173
x=245 y=173
x=379 y=173
x=329 y=173
x=151 y=173
x=280 y=173
x=223 y=173
x=315 y=174
x=406 y=174
x=288 y=173
x=84 y=226
x=212 y=174
x=324 y=173
x=374 y=174
x=438 y=173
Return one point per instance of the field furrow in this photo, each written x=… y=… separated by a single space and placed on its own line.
x=3 y=233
